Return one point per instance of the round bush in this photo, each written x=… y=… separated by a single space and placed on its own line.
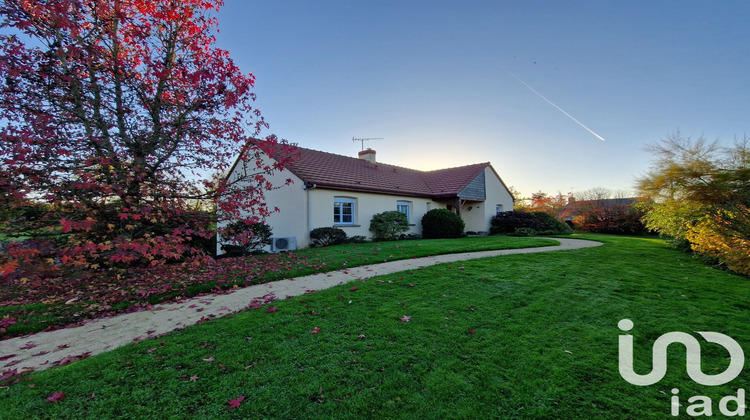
x=442 y=223
x=327 y=236
x=389 y=225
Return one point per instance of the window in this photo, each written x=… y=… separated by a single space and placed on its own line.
x=404 y=207
x=498 y=209
x=343 y=211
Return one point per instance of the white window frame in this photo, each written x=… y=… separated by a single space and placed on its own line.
x=404 y=207
x=339 y=203
x=499 y=208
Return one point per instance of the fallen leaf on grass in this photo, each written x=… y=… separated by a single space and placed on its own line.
x=315 y=330
x=55 y=397
x=193 y=378
x=271 y=309
x=405 y=318
x=236 y=402
x=70 y=359
x=210 y=359
x=353 y=288
x=6 y=374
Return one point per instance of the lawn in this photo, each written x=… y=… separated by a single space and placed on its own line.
x=50 y=303
x=521 y=336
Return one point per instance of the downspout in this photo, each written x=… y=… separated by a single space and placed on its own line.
x=308 y=187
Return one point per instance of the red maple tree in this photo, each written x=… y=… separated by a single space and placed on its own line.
x=118 y=119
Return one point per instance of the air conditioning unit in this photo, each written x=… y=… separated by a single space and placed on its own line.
x=283 y=244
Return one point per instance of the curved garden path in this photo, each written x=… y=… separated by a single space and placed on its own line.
x=48 y=349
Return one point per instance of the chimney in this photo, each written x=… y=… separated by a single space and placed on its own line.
x=368 y=155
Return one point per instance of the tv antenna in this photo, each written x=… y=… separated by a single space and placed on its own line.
x=364 y=139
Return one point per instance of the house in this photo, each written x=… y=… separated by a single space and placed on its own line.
x=345 y=192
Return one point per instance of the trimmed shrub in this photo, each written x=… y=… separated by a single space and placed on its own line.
x=357 y=239
x=553 y=226
x=327 y=236
x=442 y=223
x=508 y=222
x=388 y=225
x=524 y=232
x=410 y=236
x=243 y=239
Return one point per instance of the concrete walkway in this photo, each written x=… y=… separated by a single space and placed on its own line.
x=48 y=349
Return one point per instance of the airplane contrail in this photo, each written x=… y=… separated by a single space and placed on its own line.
x=553 y=104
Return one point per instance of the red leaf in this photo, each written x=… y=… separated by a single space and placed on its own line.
x=28 y=345
x=353 y=288
x=7 y=321
x=471 y=331
x=55 y=397
x=6 y=357
x=236 y=402
x=271 y=309
x=315 y=330
x=67 y=225
x=405 y=319
x=8 y=268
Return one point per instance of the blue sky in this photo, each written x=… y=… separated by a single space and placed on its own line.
x=430 y=78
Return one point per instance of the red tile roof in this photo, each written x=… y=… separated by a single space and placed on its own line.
x=329 y=170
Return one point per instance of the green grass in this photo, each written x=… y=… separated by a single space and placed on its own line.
x=64 y=301
x=522 y=336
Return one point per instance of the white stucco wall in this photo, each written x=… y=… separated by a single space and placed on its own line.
x=497 y=194
x=478 y=218
x=366 y=206
x=288 y=198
